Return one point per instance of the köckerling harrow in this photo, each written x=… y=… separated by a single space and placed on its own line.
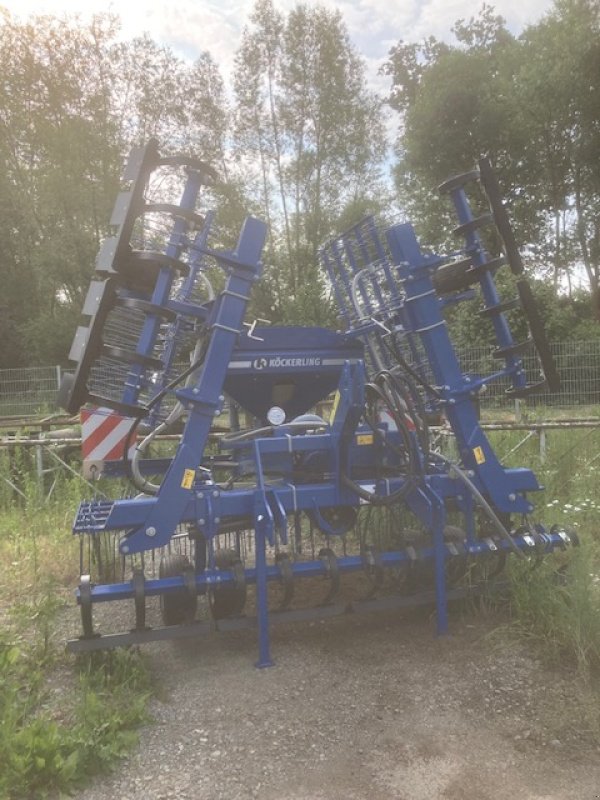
x=252 y=513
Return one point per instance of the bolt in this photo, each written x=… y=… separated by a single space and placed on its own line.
x=124 y=548
x=151 y=531
x=201 y=521
x=217 y=520
x=260 y=518
x=200 y=495
x=215 y=493
x=512 y=497
x=195 y=391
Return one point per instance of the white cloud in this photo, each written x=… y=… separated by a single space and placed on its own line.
x=191 y=26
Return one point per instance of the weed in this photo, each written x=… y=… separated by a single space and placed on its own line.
x=50 y=744
x=558 y=605
x=61 y=721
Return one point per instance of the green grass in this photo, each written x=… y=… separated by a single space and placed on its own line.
x=556 y=604
x=62 y=719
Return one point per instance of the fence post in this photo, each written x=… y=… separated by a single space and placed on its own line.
x=542 y=433
x=58 y=376
x=518 y=414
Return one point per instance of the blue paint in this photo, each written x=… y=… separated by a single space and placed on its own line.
x=327 y=467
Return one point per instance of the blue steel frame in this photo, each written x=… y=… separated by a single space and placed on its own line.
x=189 y=495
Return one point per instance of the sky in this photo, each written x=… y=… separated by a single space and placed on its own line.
x=189 y=27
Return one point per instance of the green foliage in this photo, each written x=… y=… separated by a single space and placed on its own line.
x=565 y=318
x=61 y=721
x=47 y=747
x=530 y=103
x=558 y=605
x=74 y=99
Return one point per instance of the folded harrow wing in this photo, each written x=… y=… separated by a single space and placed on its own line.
x=293 y=499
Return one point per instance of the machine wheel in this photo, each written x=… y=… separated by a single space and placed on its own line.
x=179 y=607
x=227 y=601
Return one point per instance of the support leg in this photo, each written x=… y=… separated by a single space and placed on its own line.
x=439 y=548
x=262 y=600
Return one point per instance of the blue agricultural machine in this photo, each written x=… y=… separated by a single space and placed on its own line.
x=292 y=498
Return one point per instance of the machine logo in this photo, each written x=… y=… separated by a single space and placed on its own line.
x=279 y=362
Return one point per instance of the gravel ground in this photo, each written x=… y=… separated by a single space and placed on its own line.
x=371 y=706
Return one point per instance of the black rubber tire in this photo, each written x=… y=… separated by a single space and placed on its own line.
x=227 y=601
x=180 y=607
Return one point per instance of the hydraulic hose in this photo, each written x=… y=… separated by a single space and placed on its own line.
x=375 y=394
x=132 y=467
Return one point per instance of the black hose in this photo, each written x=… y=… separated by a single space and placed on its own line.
x=150 y=405
x=395 y=350
x=376 y=393
x=403 y=389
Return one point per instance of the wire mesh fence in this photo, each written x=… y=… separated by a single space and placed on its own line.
x=577 y=362
x=31 y=391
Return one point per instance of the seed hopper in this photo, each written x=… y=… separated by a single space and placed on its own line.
x=278 y=518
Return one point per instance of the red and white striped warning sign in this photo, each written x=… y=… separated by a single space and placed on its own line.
x=103 y=437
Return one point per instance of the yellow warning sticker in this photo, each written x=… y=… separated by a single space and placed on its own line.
x=334 y=407
x=364 y=438
x=479 y=455
x=188 y=478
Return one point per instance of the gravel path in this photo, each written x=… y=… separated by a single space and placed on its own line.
x=359 y=707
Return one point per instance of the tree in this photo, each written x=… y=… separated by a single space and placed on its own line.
x=558 y=90
x=58 y=173
x=531 y=104
x=306 y=118
x=72 y=102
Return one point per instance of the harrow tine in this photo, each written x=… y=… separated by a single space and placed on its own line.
x=373 y=569
x=330 y=562
x=286 y=578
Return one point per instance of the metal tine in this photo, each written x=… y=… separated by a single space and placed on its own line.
x=371 y=310
x=344 y=305
x=341 y=302
x=336 y=251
